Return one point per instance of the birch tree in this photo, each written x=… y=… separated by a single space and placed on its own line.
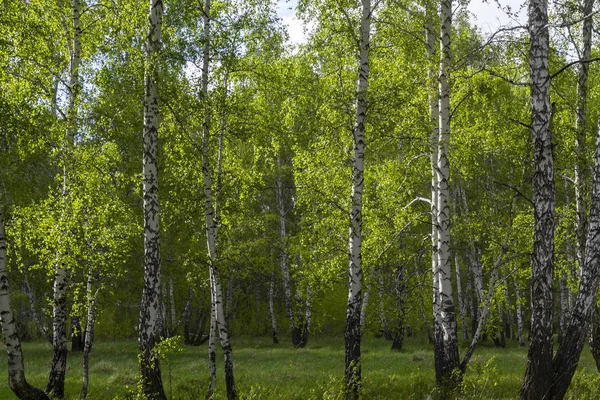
x=353 y=330
x=56 y=379
x=568 y=352
x=16 y=369
x=218 y=322
x=445 y=338
x=538 y=373
x=150 y=306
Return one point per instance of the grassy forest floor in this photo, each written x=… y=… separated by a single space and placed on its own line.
x=267 y=371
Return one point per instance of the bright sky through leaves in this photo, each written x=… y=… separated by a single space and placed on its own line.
x=487 y=15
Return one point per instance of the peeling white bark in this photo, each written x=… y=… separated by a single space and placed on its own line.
x=149 y=328
x=538 y=373
x=16 y=368
x=355 y=275
x=218 y=312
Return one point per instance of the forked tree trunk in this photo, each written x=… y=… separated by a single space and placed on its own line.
x=16 y=369
x=568 y=353
x=538 y=372
x=152 y=386
x=352 y=334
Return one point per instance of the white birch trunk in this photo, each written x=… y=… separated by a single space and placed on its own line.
x=581 y=164
x=16 y=369
x=568 y=353
x=434 y=107
x=363 y=308
x=150 y=305
x=538 y=373
x=284 y=259
x=355 y=275
x=461 y=302
x=218 y=313
x=446 y=341
x=519 y=309
x=56 y=379
x=89 y=331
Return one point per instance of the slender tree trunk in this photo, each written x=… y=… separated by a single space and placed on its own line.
x=434 y=112
x=301 y=309
x=445 y=339
x=581 y=164
x=426 y=323
x=568 y=353
x=355 y=276
x=509 y=320
x=519 y=309
x=383 y=321
x=172 y=306
x=399 y=291
x=272 y=309
x=35 y=314
x=16 y=369
x=149 y=332
x=89 y=332
x=212 y=335
x=284 y=259
x=308 y=311
x=461 y=302
x=363 y=307
x=480 y=323
x=56 y=379
x=229 y=303
x=538 y=373
x=218 y=313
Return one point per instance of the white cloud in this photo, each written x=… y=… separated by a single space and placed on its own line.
x=286 y=10
x=489 y=15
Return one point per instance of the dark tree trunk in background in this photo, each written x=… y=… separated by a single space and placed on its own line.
x=77 y=337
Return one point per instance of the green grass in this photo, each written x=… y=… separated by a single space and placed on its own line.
x=267 y=371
